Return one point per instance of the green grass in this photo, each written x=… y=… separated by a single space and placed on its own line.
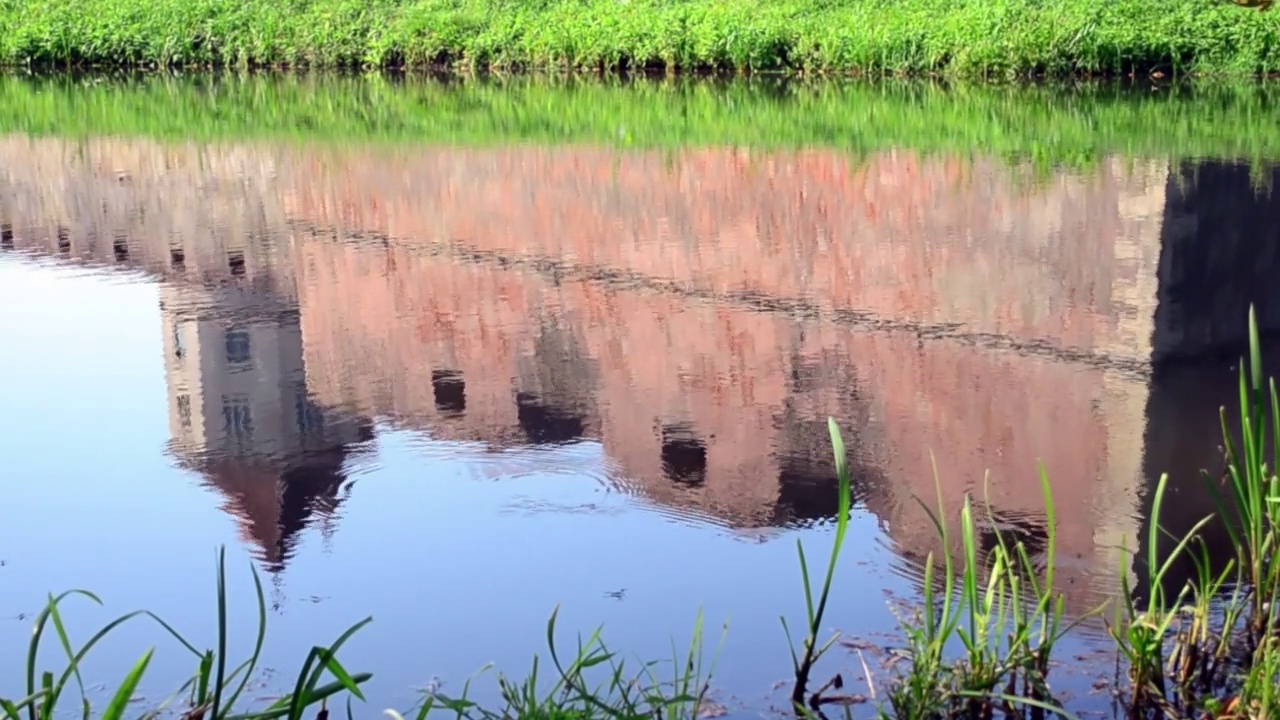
x=593 y=682
x=214 y=687
x=963 y=37
x=1071 y=125
x=802 y=664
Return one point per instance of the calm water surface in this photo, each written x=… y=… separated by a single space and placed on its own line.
x=455 y=387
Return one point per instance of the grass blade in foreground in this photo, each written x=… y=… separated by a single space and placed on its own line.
x=811 y=652
x=45 y=689
x=120 y=701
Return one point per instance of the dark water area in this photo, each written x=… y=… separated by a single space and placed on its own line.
x=455 y=387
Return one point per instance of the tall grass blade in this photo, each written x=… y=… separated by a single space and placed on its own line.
x=37 y=633
x=120 y=701
x=220 y=675
x=812 y=652
x=249 y=665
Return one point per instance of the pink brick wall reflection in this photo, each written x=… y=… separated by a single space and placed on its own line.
x=898 y=236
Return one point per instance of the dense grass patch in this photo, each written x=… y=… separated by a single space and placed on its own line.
x=968 y=37
x=1073 y=125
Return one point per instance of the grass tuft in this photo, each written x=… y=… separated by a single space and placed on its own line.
x=204 y=699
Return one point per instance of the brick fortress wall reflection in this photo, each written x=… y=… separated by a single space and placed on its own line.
x=699 y=317
x=239 y=413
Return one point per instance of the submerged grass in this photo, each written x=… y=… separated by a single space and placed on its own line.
x=978 y=646
x=963 y=37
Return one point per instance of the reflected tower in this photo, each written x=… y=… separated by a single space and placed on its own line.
x=241 y=417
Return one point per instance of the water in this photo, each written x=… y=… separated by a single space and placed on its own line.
x=456 y=382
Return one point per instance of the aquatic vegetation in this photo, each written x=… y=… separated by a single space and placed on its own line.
x=1211 y=644
x=811 y=651
x=595 y=682
x=1004 y=612
x=213 y=689
x=1253 y=510
x=958 y=37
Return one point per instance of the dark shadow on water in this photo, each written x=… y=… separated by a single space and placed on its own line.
x=274 y=501
x=1220 y=254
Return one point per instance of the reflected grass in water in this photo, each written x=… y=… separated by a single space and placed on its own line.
x=1046 y=125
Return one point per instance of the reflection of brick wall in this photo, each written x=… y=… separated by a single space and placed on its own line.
x=183 y=211
x=936 y=241
x=725 y=373
x=901 y=237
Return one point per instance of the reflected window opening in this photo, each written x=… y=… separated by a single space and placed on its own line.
x=239 y=352
x=237 y=418
x=308 y=416
x=544 y=423
x=684 y=455
x=184 y=410
x=450 y=391
x=179 y=343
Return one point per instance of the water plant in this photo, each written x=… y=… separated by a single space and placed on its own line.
x=576 y=690
x=1141 y=629
x=1210 y=645
x=211 y=692
x=1253 y=511
x=810 y=652
x=1207 y=646
x=1003 y=612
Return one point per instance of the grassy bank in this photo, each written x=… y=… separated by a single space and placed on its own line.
x=963 y=37
x=1044 y=124
x=981 y=643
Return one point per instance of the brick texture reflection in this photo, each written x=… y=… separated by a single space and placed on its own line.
x=936 y=241
x=698 y=313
